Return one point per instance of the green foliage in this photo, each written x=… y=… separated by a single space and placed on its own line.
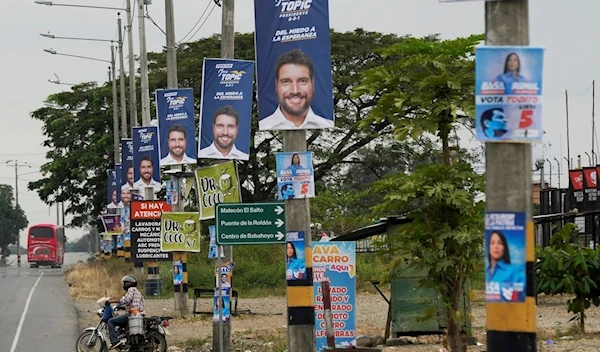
x=12 y=220
x=445 y=236
x=565 y=268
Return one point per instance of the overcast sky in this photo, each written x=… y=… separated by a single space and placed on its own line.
x=565 y=28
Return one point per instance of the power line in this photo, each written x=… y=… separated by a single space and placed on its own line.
x=151 y=20
x=205 y=19
x=199 y=19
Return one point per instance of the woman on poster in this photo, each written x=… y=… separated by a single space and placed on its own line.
x=295 y=268
x=295 y=165
x=177 y=274
x=512 y=73
x=507 y=277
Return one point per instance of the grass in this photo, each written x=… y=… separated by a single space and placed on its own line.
x=99 y=278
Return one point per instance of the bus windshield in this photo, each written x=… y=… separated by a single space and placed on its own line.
x=41 y=232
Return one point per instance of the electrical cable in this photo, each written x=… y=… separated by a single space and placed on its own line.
x=194 y=27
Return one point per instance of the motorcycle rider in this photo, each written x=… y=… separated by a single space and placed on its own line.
x=133 y=301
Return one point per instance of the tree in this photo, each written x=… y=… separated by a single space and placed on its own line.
x=12 y=220
x=445 y=236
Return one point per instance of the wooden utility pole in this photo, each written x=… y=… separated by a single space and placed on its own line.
x=511 y=326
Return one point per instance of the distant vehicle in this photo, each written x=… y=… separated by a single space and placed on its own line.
x=45 y=246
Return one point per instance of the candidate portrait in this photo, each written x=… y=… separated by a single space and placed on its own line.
x=225 y=130
x=177 y=141
x=146 y=171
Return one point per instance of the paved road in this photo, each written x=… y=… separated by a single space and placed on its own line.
x=38 y=313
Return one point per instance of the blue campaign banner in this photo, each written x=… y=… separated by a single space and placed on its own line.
x=177 y=272
x=335 y=262
x=295 y=256
x=176 y=126
x=146 y=170
x=295 y=175
x=293 y=63
x=127 y=163
x=505 y=257
x=508 y=93
x=226 y=109
x=113 y=196
x=213 y=247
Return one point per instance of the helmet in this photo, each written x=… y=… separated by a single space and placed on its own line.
x=129 y=281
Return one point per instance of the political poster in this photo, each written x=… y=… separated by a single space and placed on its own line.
x=295 y=175
x=505 y=257
x=145 y=231
x=295 y=256
x=226 y=109
x=146 y=170
x=222 y=297
x=127 y=163
x=180 y=232
x=176 y=126
x=177 y=272
x=293 y=65
x=212 y=246
x=172 y=191
x=217 y=184
x=112 y=224
x=335 y=262
x=113 y=196
x=508 y=90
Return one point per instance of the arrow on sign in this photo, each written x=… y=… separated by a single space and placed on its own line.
x=279 y=235
x=278 y=210
x=279 y=222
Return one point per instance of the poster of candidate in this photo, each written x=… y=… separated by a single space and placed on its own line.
x=177 y=272
x=180 y=232
x=505 y=257
x=127 y=164
x=293 y=65
x=295 y=257
x=295 y=175
x=113 y=196
x=146 y=171
x=226 y=109
x=176 y=126
x=217 y=184
x=222 y=298
x=212 y=246
x=508 y=89
x=112 y=224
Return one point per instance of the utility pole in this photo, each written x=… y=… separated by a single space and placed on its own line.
x=122 y=81
x=593 y=119
x=568 y=142
x=16 y=166
x=132 y=93
x=145 y=94
x=115 y=104
x=511 y=326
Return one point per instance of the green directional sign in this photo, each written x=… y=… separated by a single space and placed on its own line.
x=250 y=223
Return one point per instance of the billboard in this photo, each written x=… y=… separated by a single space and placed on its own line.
x=176 y=126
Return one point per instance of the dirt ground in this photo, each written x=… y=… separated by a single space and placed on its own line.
x=266 y=317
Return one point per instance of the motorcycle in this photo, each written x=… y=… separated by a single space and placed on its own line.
x=153 y=338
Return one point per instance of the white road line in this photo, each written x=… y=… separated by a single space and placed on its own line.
x=16 y=340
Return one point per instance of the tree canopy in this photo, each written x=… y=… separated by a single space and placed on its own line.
x=12 y=220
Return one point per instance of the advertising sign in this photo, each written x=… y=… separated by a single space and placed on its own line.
x=180 y=232
x=145 y=230
x=146 y=171
x=112 y=224
x=335 y=262
x=172 y=191
x=112 y=194
x=576 y=193
x=295 y=175
x=508 y=94
x=176 y=126
x=222 y=298
x=504 y=257
x=295 y=256
x=226 y=109
x=217 y=184
x=293 y=63
x=127 y=164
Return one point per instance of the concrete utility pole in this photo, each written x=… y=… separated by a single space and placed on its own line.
x=145 y=94
x=122 y=82
x=511 y=326
x=115 y=104
x=132 y=94
x=16 y=166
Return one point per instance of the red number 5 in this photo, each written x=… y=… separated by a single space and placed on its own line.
x=526 y=118
x=304 y=188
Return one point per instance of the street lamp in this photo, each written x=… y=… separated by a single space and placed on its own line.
x=52 y=36
x=57 y=81
x=50 y=3
x=54 y=52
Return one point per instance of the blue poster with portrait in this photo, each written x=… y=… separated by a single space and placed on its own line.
x=505 y=257
x=113 y=196
x=335 y=262
x=226 y=109
x=146 y=171
x=508 y=93
x=295 y=257
x=127 y=163
x=212 y=246
x=293 y=64
x=177 y=272
x=295 y=175
x=176 y=126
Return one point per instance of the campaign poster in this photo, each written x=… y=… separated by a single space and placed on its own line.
x=226 y=109
x=508 y=93
x=222 y=298
x=505 y=257
x=293 y=65
x=172 y=191
x=112 y=194
x=107 y=243
x=335 y=262
x=177 y=272
x=112 y=224
x=295 y=175
x=295 y=257
x=212 y=246
x=180 y=232
x=176 y=126
x=127 y=164
x=146 y=170
x=217 y=184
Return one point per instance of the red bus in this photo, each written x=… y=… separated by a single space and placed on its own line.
x=45 y=246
